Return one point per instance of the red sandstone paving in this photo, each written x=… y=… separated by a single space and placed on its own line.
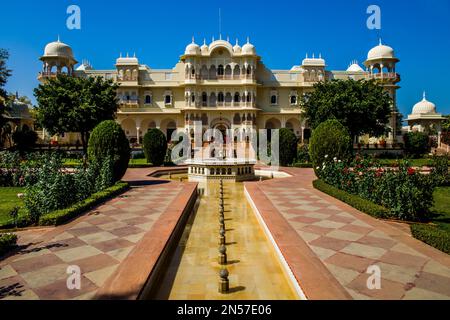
x=356 y=236
x=138 y=210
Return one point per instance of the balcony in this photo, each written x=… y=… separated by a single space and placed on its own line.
x=132 y=103
x=388 y=77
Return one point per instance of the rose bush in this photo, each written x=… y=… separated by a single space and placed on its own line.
x=407 y=193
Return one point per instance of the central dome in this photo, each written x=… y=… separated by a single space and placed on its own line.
x=424 y=106
x=192 y=49
x=58 y=49
x=248 y=48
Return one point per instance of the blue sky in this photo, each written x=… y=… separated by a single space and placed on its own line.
x=282 y=31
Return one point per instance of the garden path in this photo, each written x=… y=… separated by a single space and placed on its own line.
x=98 y=243
x=330 y=245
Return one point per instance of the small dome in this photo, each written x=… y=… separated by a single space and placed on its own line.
x=192 y=49
x=204 y=48
x=237 y=48
x=84 y=66
x=381 y=51
x=355 y=67
x=248 y=48
x=424 y=106
x=58 y=49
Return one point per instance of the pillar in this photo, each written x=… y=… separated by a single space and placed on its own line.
x=138 y=135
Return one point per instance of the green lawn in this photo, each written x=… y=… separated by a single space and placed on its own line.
x=413 y=162
x=8 y=200
x=441 y=208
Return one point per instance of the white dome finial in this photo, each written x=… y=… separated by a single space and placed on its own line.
x=237 y=41
x=380 y=42
x=193 y=39
x=248 y=39
x=204 y=41
x=424 y=96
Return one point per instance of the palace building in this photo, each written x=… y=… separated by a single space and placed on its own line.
x=224 y=86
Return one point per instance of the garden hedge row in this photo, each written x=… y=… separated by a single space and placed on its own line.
x=432 y=236
x=7 y=242
x=59 y=217
x=302 y=165
x=363 y=205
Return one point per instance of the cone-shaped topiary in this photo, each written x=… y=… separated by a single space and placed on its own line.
x=330 y=139
x=155 y=147
x=108 y=139
x=288 y=147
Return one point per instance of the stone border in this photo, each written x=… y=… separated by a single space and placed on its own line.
x=312 y=276
x=137 y=275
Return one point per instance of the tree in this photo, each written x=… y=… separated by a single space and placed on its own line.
x=71 y=104
x=155 y=147
x=363 y=107
x=5 y=73
x=416 y=144
x=288 y=147
x=24 y=139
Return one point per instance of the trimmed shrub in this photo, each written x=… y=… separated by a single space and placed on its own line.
x=432 y=236
x=109 y=140
x=303 y=154
x=155 y=147
x=416 y=144
x=352 y=200
x=330 y=139
x=288 y=147
x=7 y=242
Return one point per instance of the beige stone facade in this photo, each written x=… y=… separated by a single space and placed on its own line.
x=222 y=85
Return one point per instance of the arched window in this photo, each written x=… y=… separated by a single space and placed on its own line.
x=273 y=99
x=293 y=99
x=204 y=98
x=249 y=70
x=220 y=97
x=193 y=71
x=249 y=97
x=167 y=99
x=229 y=171
x=148 y=99
x=193 y=98
x=220 y=70
x=237 y=97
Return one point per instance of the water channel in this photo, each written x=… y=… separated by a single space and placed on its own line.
x=255 y=270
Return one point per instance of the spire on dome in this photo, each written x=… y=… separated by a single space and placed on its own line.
x=381 y=42
x=424 y=96
x=58 y=39
x=204 y=41
x=228 y=38
x=237 y=41
x=193 y=39
x=248 y=39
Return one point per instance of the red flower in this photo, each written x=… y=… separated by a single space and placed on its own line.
x=411 y=171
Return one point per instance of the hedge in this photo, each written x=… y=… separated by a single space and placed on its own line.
x=302 y=165
x=59 y=217
x=352 y=200
x=432 y=236
x=7 y=242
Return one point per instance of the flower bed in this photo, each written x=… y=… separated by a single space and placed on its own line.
x=407 y=194
x=59 y=217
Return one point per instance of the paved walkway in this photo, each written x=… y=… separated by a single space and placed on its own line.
x=98 y=242
x=329 y=245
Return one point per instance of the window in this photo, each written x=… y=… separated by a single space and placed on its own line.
x=273 y=99
x=193 y=98
x=168 y=99
x=220 y=97
x=204 y=97
x=237 y=97
x=249 y=97
x=148 y=99
x=293 y=99
x=193 y=72
x=220 y=70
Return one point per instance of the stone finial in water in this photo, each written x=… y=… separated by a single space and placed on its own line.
x=222 y=255
x=224 y=283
